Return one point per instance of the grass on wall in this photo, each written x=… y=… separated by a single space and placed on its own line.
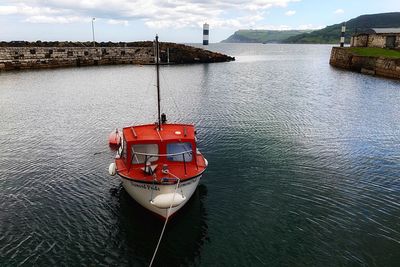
x=375 y=52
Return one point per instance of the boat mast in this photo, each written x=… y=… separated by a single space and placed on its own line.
x=158 y=82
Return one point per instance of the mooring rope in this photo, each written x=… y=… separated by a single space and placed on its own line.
x=166 y=220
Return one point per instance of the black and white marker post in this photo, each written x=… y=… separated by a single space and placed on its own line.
x=342 y=34
x=206 y=32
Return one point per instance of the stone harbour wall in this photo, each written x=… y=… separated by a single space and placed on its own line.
x=14 y=58
x=28 y=56
x=380 y=66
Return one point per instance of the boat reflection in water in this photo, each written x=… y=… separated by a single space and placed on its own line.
x=137 y=232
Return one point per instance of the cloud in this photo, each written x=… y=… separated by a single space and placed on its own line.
x=197 y=21
x=309 y=27
x=56 y=20
x=290 y=13
x=8 y=10
x=275 y=27
x=338 y=11
x=118 y=22
x=286 y=27
x=24 y=9
x=154 y=13
x=265 y=4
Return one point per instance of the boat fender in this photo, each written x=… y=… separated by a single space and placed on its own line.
x=163 y=201
x=114 y=139
x=112 y=170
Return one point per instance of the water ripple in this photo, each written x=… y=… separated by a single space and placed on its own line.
x=304 y=168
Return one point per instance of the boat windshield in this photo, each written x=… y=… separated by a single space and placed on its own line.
x=179 y=149
x=139 y=150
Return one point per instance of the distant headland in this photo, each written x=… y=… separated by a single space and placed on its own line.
x=18 y=55
x=261 y=36
x=327 y=35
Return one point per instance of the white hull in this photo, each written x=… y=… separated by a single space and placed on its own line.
x=145 y=193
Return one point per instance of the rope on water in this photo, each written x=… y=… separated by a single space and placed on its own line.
x=165 y=223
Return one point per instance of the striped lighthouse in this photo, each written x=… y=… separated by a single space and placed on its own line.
x=206 y=31
x=342 y=34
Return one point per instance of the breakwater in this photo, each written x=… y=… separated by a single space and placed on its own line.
x=344 y=58
x=25 y=55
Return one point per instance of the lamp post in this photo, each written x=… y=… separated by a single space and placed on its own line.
x=94 y=42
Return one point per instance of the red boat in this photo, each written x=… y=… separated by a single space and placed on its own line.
x=159 y=164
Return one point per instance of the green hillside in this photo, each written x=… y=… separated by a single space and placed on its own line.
x=331 y=34
x=261 y=36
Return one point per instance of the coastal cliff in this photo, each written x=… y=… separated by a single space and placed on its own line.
x=37 y=55
x=346 y=58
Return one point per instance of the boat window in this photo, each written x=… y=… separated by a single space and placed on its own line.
x=139 y=150
x=122 y=150
x=177 y=149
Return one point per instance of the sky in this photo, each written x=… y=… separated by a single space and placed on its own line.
x=173 y=20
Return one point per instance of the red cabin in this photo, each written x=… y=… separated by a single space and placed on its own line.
x=150 y=155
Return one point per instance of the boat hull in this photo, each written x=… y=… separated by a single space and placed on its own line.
x=144 y=193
